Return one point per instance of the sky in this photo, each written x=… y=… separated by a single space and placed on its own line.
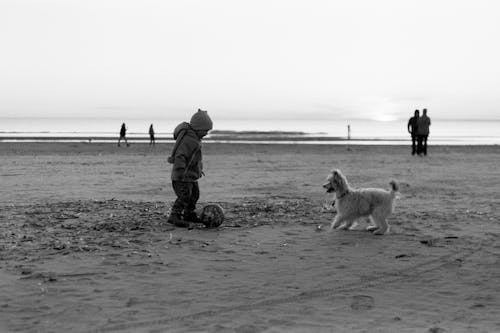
x=267 y=59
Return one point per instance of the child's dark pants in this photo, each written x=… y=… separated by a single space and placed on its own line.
x=188 y=194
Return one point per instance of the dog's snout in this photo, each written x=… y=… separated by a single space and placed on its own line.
x=328 y=187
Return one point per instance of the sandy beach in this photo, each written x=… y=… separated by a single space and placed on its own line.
x=84 y=244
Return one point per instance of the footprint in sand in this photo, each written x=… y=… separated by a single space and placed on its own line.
x=362 y=302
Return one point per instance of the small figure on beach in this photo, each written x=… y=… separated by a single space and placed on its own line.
x=348 y=132
x=151 y=135
x=412 y=129
x=187 y=168
x=423 y=124
x=123 y=135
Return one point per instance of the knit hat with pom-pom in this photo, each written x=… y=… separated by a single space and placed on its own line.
x=200 y=121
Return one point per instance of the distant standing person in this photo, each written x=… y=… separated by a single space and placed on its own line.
x=123 y=135
x=412 y=129
x=151 y=135
x=423 y=125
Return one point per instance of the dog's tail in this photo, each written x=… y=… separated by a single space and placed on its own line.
x=394 y=188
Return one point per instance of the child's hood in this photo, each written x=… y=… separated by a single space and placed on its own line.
x=184 y=126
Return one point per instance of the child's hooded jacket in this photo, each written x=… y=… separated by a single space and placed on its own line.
x=186 y=157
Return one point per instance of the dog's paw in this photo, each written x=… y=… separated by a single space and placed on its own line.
x=353 y=226
x=371 y=228
x=380 y=232
x=333 y=226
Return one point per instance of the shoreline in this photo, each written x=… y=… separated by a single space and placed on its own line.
x=254 y=140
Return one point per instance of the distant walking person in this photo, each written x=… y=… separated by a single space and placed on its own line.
x=412 y=129
x=123 y=133
x=423 y=124
x=151 y=135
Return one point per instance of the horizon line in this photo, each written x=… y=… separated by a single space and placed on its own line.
x=247 y=118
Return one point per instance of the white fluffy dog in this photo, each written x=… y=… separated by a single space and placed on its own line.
x=352 y=204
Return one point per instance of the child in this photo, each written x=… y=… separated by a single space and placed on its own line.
x=187 y=168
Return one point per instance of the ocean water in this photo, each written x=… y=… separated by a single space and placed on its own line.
x=443 y=132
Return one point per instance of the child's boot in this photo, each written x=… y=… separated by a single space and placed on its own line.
x=176 y=219
x=191 y=217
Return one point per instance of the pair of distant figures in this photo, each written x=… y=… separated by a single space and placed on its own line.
x=123 y=135
x=418 y=127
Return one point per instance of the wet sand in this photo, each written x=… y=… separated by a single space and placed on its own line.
x=84 y=246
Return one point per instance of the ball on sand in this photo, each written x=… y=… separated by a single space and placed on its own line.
x=212 y=215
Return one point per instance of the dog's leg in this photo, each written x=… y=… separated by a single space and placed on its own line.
x=383 y=227
x=372 y=226
x=383 y=230
x=347 y=225
x=337 y=221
